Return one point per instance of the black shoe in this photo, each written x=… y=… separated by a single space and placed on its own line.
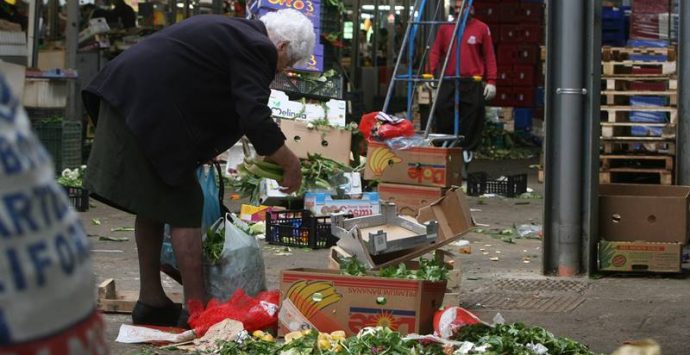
x=165 y=316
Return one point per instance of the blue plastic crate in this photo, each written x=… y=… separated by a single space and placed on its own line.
x=523 y=118
x=539 y=94
x=656 y=43
x=644 y=116
x=612 y=13
x=649 y=57
x=654 y=101
x=618 y=25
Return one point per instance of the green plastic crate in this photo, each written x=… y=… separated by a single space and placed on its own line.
x=62 y=140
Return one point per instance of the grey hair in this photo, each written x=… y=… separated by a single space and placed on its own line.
x=291 y=26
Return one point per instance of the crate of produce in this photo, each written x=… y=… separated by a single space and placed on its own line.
x=299 y=229
x=511 y=186
x=78 y=197
x=62 y=140
x=331 y=87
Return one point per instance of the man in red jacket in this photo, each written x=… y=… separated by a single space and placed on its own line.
x=477 y=83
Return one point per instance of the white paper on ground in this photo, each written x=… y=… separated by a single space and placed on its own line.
x=131 y=334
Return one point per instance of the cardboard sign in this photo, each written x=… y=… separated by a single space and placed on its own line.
x=408 y=199
x=283 y=107
x=331 y=143
x=329 y=301
x=652 y=213
x=322 y=204
x=640 y=256
x=426 y=166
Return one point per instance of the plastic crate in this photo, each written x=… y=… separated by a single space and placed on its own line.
x=299 y=229
x=78 y=197
x=332 y=88
x=479 y=184
x=62 y=140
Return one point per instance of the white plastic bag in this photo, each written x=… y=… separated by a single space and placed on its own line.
x=241 y=264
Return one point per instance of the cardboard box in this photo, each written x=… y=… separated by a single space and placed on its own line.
x=454 y=220
x=408 y=199
x=427 y=166
x=331 y=143
x=652 y=213
x=322 y=204
x=282 y=107
x=329 y=301
x=640 y=256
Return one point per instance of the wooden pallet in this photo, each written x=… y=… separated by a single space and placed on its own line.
x=610 y=162
x=620 y=97
x=622 y=113
x=628 y=146
x=622 y=82
x=623 y=53
x=626 y=67
x=665 y=177
x=112 y=301
x=623 y=129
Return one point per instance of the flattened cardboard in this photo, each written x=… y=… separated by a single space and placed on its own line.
x=322 y=204
x=329 y=142
x=329 y=301
x=426 y=166
x=652 y=213
x=409 y=199
x=640 y=256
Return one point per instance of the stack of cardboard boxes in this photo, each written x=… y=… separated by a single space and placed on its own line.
x=642 y=228
x=414 y=177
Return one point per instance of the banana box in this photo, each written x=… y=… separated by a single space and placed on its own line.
x=425 y=166
x=329 y=301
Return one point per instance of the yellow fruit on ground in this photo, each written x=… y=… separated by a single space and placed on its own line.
x=292 y=336
x=338 y=348
x=324 y=344
x=267 y=337
x=258 y=334
x=338 y=334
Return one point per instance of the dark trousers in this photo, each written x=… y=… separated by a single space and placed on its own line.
x=471 y=112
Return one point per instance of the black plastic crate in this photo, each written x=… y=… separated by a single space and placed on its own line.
x=62 y=140
x=479 y=184
x=78 y=197
x=332 y=88
x=299 y=229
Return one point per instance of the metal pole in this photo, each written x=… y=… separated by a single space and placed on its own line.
x=375 y=44
x=592 y=120
x=172 y=12
x=564 y=147
x=354 y=64
x=407 y=36
x=53 y=19
x=683 y=60
x=35 y=10
x=72 y=111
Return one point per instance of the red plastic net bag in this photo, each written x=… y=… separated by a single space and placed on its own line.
x=255 y=313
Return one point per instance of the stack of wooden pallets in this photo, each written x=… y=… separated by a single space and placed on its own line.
x=638 y=115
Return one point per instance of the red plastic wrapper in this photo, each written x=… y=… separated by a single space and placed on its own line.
x=449 y=320
x=255 y=313
x=650 y=6
x=370 y=126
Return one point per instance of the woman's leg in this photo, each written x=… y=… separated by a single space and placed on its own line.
x=149 y=237
x=187 y=246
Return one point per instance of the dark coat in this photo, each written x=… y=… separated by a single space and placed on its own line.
x=191 y=91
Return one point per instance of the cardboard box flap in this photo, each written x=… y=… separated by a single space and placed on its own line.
x=454 y=220
x=642 y=190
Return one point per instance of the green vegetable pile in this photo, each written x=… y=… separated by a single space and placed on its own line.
x=317 y=173
x=72 y=177
x=429 y=270
x=519 y=339
x=213 y=245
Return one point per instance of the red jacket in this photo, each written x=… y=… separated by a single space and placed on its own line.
x=477 y=51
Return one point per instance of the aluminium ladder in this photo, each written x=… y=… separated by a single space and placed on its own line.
x=412 y=77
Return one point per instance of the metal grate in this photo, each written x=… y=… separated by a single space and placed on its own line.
x=547 y=285
x=522 y=302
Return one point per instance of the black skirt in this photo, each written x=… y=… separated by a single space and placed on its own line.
x=118 y=174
